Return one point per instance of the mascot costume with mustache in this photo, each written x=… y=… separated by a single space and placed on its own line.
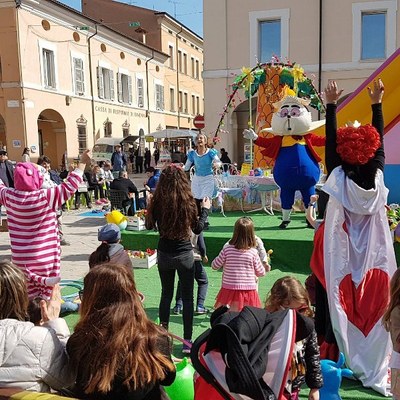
x=292 y=148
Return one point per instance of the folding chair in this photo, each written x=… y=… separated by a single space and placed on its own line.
x=120 y=201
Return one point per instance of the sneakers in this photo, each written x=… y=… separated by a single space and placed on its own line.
x=187 y=346
x=63 y=242
x=104 y=201
x=89 y=205
x=201 y=310
x=99 y=202
x=177 y=309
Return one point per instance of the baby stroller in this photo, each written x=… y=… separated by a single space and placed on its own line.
x=245 y=355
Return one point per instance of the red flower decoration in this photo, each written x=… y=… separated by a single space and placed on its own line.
x=356 y=146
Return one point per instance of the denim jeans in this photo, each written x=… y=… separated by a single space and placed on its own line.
x=183 y=263
x=200 y=276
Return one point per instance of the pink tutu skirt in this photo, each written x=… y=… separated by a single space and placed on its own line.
x=237 y=299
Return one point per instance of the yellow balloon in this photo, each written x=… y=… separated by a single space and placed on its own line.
x=115 y=217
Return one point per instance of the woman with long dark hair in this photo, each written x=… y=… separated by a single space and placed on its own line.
x=173 y=212
x=116 y=351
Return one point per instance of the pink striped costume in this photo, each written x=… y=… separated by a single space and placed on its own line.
x=32 y=224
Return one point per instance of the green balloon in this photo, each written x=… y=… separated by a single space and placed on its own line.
x=182 y=388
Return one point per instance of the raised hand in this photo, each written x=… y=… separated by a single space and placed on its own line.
x=332 y=93
x=376 y=92
x=86 y=157
x=250 y=134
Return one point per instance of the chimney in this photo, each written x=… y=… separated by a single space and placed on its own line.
x=143 y=32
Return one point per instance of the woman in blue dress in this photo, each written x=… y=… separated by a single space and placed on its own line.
x=204 y=160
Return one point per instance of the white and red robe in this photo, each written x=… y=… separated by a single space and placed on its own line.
x=359 y=261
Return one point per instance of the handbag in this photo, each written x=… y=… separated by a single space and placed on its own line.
x=82 y=187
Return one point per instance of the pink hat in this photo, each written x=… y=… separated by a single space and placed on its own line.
x=27 y=177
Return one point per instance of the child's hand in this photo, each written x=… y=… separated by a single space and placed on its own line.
x=314 y=198
x=51 y=310
x=314 y=394
x=266 y=266
x=205 y=259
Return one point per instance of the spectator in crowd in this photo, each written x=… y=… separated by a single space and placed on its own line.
x=147 y=158
x=116 y=351
x=110 y=249
x=153 y=176
x=6 y=169
x=139 y=160
x=118 y=159
x=32 y=357
x=26 y=155
x=156 y=155
x=123 y=183
x=96 y=183
x=224 y=157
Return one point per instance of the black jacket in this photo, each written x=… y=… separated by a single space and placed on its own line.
x=124 y=184
x=10 y=172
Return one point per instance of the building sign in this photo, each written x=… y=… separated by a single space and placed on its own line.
x=16 y=143
x=117 y=111
x=12 y=103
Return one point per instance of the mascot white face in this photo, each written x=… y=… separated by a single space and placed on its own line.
x=292 y=117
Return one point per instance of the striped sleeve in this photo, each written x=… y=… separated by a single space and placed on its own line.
x=219 y=261
x=58 y=195
x=258 y=267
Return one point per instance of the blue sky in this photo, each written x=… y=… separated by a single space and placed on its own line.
x=188 y=12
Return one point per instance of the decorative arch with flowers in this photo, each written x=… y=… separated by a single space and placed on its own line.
x=271 y=81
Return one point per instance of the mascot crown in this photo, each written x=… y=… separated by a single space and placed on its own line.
x=291 y=100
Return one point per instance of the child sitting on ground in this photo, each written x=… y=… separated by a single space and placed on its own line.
x=241 y=266
x=288 y=292
x=110 y=250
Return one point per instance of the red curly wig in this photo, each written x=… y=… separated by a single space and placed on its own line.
x=356 y=146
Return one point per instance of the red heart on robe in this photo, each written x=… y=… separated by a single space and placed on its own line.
x=366 y=304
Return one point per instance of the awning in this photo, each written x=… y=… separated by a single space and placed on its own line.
x=174 y=134
x=130 y=139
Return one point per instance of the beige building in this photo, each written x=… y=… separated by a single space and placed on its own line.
x=67 y=80
x=343 y=40
x=183 y=82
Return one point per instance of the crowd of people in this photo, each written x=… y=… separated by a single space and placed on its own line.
x=116 y=351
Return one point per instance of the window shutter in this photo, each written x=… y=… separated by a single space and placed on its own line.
x=112 y=91
x=79 y=76
x=140 y=92
x=129 y=89
x=100 y=82
x=162 y=97
x=119 y=87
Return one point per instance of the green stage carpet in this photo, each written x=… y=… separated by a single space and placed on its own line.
x=292 y=250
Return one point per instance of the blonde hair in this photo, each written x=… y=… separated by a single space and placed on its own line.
x=243 y=237
x=197 y=138
x=284 y=291
x=13 y=292
x=394 y=300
